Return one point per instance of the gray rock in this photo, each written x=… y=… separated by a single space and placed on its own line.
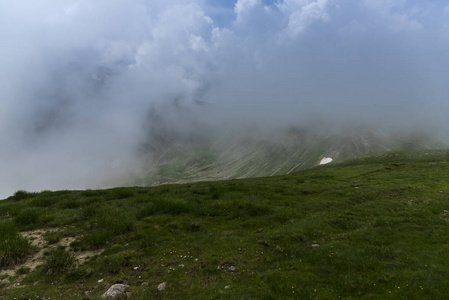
x=145 y=283
x=115 y=290
x=232 y=268
x=161 y=286
x=227 y=287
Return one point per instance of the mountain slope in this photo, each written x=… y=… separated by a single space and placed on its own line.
x=178 y=159
x=373 y=227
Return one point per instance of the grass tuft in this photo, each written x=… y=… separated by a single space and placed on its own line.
x=27 y=217
x=121 y=193
x=58 y=261
x=20 y=195
x=14 y=248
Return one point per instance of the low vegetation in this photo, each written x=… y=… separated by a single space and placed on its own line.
x=13 y=247
x=374 y=227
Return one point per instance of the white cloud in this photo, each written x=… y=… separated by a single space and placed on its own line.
x=302 y=13
x=271 y=62
x=241 y=6
x=396 y=14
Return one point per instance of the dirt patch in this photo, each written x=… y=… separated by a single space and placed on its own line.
x=37 y=238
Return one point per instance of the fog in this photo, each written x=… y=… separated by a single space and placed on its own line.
x=83 y=81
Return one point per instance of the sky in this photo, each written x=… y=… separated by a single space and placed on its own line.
x=81 y=79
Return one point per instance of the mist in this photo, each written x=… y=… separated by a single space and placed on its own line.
x=86 y=85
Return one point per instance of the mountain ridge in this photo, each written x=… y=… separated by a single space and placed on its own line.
x=287 y=151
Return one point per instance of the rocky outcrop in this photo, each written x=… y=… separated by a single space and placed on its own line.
x=115 y=290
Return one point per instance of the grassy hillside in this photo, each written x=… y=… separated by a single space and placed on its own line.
x=175 y=158
x=374 y=227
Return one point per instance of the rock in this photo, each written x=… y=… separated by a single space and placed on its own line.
x=161 y=286
x=227 y=287
x=232 y=269
x=181 y=266
x=145 y=283
x=315 y=246
x=128 y=294
x=100 y=281
x=115 y=290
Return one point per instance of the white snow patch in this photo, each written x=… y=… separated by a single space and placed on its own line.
x=326 y=160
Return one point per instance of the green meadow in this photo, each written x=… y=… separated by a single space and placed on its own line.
x=374 y=227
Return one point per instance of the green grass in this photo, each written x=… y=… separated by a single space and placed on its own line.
x=381 y=223
x=58 y=261
x=14 y=249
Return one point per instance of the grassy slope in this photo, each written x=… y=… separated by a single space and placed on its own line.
x=381 y=223
x=291 y=150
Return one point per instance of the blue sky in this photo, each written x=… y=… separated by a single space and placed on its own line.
x=273 y=63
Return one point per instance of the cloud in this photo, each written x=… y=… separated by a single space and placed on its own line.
x=81 y=78
x=302 y=12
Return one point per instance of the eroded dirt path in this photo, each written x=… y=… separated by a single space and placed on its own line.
x=37 y=238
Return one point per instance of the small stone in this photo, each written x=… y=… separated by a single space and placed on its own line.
x=227 y=287
x=232 y=268
x=128 y=294
x=101 y=280
x=161 y=286
x=145 y=283
x=315 y=246
x=196 y=259
x=136 y=268
x=115 y=290
x=181 y=265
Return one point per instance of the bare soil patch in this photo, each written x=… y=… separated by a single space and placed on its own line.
x=37 y=239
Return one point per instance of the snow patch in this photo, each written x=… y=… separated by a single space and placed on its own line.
x=326 y=160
